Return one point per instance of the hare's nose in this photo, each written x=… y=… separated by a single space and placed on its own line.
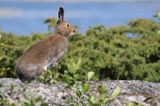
x=74 y=31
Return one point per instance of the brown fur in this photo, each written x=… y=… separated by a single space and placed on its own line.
x=46 y=52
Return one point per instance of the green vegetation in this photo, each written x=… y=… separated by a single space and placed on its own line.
x=130 y=52
x=157 y=14
x=51 y=22
x=88 y=99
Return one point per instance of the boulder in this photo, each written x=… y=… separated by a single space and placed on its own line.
x=132 y=91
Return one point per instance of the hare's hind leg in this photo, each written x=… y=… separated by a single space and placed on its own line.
x=36 y=73
x=28 y=75
x=21 y=76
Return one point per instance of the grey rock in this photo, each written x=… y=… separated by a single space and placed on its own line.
x=145 y=93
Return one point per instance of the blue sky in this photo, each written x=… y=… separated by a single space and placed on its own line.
x=78 y=0
x=27 y=16
x=18 y=12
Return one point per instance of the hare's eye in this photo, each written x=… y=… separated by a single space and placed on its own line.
x=67 y=25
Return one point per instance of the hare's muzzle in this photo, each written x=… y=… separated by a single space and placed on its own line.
x=72 y=33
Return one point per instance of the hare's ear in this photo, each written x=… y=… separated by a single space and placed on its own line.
x=61 y=14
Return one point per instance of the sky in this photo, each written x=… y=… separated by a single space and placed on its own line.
x=17 y=12
x=78 y=0
x=27 y=16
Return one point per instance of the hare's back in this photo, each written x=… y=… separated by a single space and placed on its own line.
x=45 y=51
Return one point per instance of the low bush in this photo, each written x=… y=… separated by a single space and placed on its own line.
x=130 y=52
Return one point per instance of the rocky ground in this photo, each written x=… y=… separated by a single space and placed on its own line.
x=138 y=92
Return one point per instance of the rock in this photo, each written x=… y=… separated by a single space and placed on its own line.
x=137 y=92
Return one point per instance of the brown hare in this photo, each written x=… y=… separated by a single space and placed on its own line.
x=46 y=52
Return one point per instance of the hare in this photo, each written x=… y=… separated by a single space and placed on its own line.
x=45 y=53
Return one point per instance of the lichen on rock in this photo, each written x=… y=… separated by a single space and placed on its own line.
x=138 y=92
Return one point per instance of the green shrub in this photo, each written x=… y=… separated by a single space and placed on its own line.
x=121 y=52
